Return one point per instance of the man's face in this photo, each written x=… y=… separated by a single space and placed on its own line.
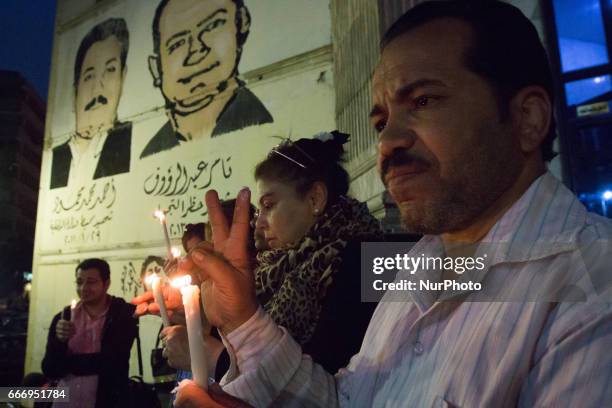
x=198 y=50
x=90 y=286
x=99 y=87
x=444 y=154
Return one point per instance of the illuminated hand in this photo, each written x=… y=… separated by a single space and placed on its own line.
x=189 y=395
x=228 y=286
x=64 y=330
x=145 y=303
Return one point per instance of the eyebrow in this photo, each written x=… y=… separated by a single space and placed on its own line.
x=266 y=195
x=210 y=17
x=406 y=90
x=113 y=59
x=87 y=70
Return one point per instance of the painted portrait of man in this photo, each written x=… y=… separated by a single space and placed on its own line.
x=100 y=144
x=197 y=46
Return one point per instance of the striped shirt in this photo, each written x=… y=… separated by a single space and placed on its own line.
x=552 y=347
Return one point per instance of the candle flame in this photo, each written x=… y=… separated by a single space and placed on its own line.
x=176 y=252
x=159 y=214
x=73 y=304
x=181 y=281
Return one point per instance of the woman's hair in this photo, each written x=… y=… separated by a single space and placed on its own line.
x=193 y=230
x=305 y=161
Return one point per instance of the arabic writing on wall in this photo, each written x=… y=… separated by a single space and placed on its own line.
x=78 y=217
x=180 y=189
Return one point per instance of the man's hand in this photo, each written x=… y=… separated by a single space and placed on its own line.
x=145 y=303
x=64 y=330
x=176 y=348
x=189 y=395
x=228 y=286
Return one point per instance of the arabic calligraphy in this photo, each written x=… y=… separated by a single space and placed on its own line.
x=177 y=180
x=130 y=284
x=87 y=199
x=72 y=222
x=79 y=215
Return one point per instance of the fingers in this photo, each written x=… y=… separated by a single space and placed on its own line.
x=144 y=298
x=213 y=265
x=216 y=218
x=239 y=231
x=141 y=309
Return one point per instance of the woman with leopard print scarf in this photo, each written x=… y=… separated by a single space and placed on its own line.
x=309 y=279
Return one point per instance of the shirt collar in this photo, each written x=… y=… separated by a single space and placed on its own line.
x=545 y=221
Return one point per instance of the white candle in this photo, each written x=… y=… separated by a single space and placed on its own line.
x=159 y=214
x=191 y=301
x=155 y=283
x=72 y=306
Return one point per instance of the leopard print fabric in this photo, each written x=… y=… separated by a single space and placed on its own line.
x=291 y=282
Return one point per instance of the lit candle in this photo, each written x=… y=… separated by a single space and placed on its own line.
x=191 y=301
x=159 y=214
x=155 y=283
x=72 y=306
x=176 y=252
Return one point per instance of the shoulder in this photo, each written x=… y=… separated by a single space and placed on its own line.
x=242 y=110
x=120 y=307
x=164 y=139
x=120 y=134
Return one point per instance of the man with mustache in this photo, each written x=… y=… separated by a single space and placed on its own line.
x=462 y=101
x=100 y=145
x=197 y=47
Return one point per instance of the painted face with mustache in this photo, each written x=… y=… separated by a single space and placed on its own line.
x=99 y=87
x=198 y=52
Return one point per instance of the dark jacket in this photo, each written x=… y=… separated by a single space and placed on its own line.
x=111 y=364
x=114 y=156
x=344 y=318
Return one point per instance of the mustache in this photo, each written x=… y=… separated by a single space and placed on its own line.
x=398 y=158
x=100 y=99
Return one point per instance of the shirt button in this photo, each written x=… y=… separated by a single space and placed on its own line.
x=418 y=348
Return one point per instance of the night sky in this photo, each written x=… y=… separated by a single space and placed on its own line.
x=27 y=37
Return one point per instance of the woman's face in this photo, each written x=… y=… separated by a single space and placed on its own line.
x=284 y=216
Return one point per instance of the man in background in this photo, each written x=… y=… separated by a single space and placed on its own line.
x=88 y=347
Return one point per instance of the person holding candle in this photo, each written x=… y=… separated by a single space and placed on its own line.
x=90 y=350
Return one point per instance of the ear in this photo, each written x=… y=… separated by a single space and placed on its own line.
x=317 y=197
x=154 y=70
x=531 y=113
x=245 y=19
x=107 y=284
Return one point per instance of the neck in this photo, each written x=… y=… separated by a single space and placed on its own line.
x=96 y=308
x=483 y=223
x=200 y=124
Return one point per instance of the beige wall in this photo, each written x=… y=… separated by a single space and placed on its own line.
x=287 y=65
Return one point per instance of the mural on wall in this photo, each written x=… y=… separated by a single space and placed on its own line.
x=133 y=283
x=197 y=47
x=100 y=145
